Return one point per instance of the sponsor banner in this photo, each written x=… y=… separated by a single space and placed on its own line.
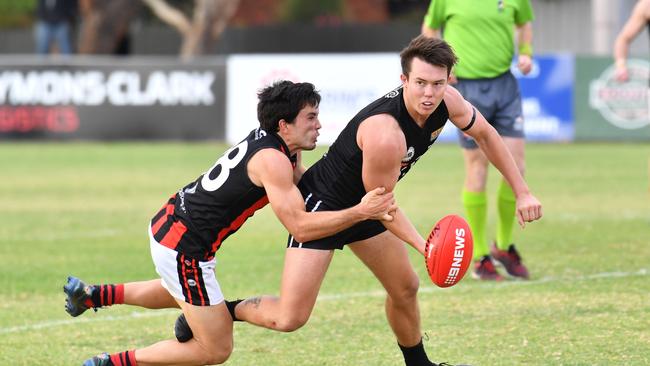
x=346 y=83
x=547 y=98
x=112 y=98
x=607 y=109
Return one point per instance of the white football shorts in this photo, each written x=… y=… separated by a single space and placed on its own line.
x=186 y=279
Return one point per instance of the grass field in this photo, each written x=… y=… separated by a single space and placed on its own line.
x=83 y=209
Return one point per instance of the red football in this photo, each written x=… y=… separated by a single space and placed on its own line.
x=449 y=250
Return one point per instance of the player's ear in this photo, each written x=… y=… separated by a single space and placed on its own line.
x=404 y=78
x=282 y=125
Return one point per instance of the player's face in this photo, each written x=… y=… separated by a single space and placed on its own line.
x=305 y=128
x=424 y=88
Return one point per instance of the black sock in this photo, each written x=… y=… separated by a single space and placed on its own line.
x=415 y=356
x=231 y=308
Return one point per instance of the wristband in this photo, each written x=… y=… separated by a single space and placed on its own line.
x=526 y=49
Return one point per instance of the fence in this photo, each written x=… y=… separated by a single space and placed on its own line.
x=565 y=98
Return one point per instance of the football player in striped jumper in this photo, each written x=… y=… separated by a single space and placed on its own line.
x=193 y=224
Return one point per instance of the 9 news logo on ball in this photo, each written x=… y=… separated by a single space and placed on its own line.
x=448 y=251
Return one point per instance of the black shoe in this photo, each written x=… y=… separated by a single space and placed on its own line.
x=182 y=330
x=77 y=293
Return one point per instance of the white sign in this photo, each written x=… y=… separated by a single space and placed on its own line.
x=624 y=105
x=346 y=82
x=116 y=87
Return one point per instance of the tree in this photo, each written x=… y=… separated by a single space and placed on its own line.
x=106 y=22
x=203 y=29
x=17 y=13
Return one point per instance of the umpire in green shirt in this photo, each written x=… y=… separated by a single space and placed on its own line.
x=482 y=35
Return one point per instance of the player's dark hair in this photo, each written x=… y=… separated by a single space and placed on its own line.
x=433 y=51
x=284 y=100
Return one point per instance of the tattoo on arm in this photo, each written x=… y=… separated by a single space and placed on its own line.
x=255 y=301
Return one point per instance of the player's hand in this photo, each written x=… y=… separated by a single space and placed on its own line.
x=528 y=209
x=621 y=74
x=378 y=204
x=525 y=64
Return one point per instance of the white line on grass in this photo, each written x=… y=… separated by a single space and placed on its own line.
x=91 y=234
x=56 y=323
x=330 y=297
x=429 y=289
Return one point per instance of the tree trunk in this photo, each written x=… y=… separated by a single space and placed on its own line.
x=200 y=33
x=104 y=24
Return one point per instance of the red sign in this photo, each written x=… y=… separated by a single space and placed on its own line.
x=59 y=119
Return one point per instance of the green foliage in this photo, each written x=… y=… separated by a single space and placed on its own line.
x=17 y=13
x=300 y=11
x=83 y=209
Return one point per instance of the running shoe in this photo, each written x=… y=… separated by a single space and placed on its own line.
x=511 y=261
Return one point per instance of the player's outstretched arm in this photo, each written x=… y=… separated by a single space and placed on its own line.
x=272 y=170
x=465 y=116
x=637 y=21
x=384 y=145
x=404 y=229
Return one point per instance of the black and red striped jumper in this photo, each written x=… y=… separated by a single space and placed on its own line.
x=200 y=216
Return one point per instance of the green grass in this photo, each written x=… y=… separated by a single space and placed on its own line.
x=83 y=209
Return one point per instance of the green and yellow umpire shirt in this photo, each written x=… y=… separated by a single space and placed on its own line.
x=481 y=32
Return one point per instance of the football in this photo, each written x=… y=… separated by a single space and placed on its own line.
x=448 y=251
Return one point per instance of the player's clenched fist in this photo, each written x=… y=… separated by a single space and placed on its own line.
x=378 y=204
x=528 y=209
